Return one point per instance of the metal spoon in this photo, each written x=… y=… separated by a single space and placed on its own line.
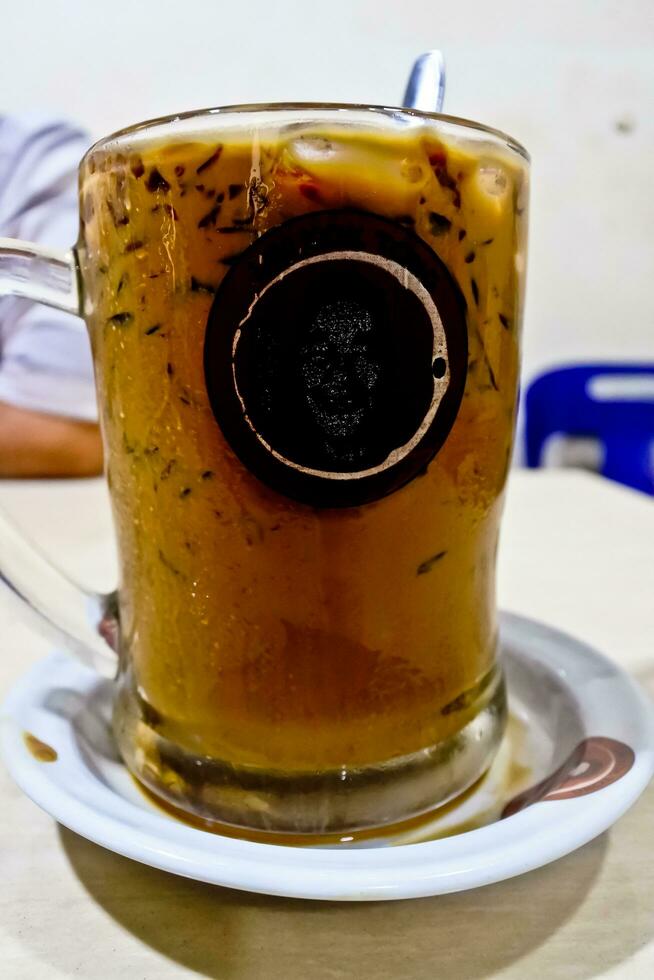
x=426 y=86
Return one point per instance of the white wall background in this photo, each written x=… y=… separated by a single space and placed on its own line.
x=572 y=79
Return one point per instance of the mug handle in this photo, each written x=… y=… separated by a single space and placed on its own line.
x=84 y=622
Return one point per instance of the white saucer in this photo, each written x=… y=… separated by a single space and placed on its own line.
x=581 y=738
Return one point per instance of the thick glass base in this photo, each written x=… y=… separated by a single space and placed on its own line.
x=327 y=802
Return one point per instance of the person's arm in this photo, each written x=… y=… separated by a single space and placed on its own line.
x=48 y=415
x=33 y=444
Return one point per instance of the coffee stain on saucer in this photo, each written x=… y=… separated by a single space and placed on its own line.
x=40 y=750
x=479 y=805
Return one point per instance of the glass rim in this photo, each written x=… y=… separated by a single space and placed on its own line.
x=262 y=107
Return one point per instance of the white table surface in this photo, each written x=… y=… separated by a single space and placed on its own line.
x=577 y=552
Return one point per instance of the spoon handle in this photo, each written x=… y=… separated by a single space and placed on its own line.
x=426 y=86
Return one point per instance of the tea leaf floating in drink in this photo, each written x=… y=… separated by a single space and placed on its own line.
x=426 y=566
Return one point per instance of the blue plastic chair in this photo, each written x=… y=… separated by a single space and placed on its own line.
x=598 y=401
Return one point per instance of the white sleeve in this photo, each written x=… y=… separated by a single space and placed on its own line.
x=45 y=358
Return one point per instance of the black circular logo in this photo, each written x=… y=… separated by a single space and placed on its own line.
x=335 y=357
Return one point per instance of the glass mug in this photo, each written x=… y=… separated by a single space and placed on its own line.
x=305 y=324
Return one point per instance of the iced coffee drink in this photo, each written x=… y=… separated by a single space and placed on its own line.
x=306 y=337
